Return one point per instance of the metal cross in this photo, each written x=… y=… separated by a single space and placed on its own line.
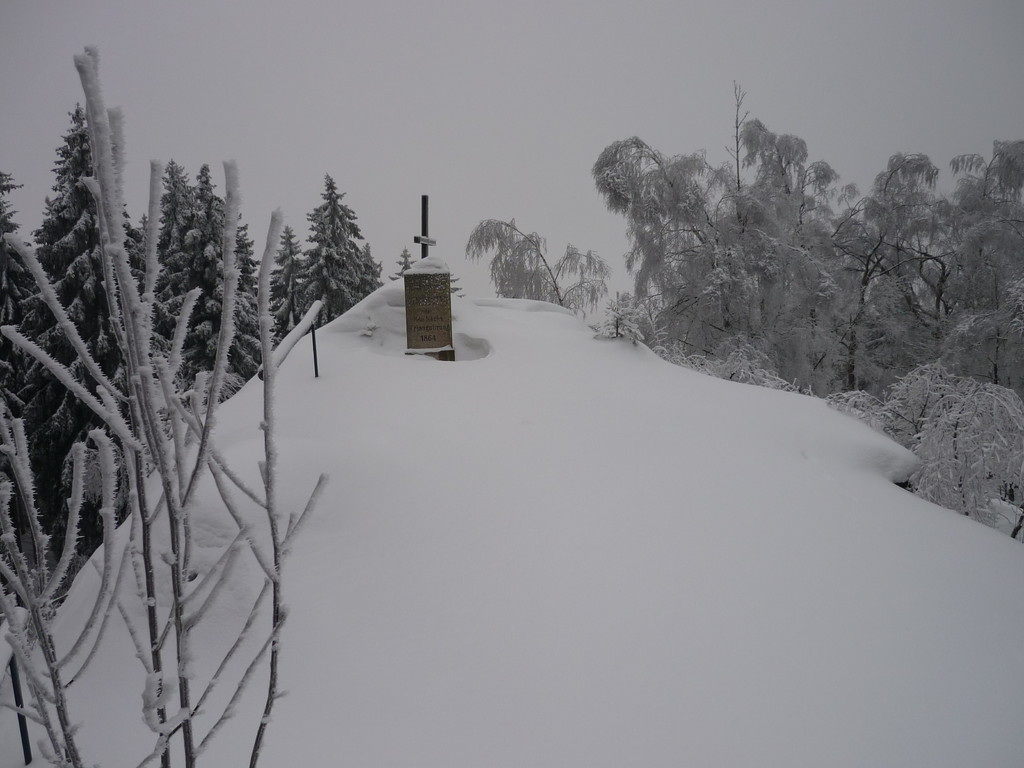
x=424 y=241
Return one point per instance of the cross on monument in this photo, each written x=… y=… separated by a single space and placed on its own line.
x=428 y=304
x=424 y=241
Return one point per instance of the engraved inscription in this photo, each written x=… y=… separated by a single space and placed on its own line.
x=428 y=310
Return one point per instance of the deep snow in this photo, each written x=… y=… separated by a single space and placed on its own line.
x=563 y=551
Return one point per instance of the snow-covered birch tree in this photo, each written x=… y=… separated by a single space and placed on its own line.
x=521 y=269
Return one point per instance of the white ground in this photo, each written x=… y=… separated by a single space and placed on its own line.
x=562 y=551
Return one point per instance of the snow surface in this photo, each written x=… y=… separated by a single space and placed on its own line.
x=563 y=551
x=431 y=264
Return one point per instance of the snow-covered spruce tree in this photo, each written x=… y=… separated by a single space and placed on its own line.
x=285 y=282
x=368 y=273
x=404 y=262
x=176 y=212
x=245 y=356
x=199 y=268
x=16 y=286
x=622 y=319
x=520 y=268
x=191 y=252
x=135 y=245
x=68 y=248
x=174 y=220
x=158 y=440
x=335 y=272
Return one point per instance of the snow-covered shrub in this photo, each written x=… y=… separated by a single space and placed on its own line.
x=622 y=319
x=968 y=435
x=738 y=360
x=861 y=405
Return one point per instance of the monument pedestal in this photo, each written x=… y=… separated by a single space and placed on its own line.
x=428 y=310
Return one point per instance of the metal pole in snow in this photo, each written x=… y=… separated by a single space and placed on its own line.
x=26 y=747
x=316 y=364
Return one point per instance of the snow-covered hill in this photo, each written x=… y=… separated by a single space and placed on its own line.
x=561 y=551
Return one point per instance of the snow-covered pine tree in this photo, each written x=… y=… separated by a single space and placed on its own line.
x=68 y=249
x=176 y=210
x=622 y=319
x=16 y=286
x=367 y=273
x=202 y=248
x=244 y=359
x=176 y=213
x=333 y=272
x=285 y=282
x=135 y=245
x=404 y=262
x=191 y=252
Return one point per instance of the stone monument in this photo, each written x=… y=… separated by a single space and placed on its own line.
x=428 y=309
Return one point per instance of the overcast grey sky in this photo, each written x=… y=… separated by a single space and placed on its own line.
x=497 y=109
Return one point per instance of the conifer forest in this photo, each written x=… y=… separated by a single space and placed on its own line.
x=335 y=266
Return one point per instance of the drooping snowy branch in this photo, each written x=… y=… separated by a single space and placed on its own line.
x=520 y=267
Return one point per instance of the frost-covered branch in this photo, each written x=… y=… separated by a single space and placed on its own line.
x=296 y=521
x=159 y=443
x=242 y=636
x=301 y=329
x=31 y=633
x=266 y=322
x=226 y=334
x=156 y=171
x=111 y=417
